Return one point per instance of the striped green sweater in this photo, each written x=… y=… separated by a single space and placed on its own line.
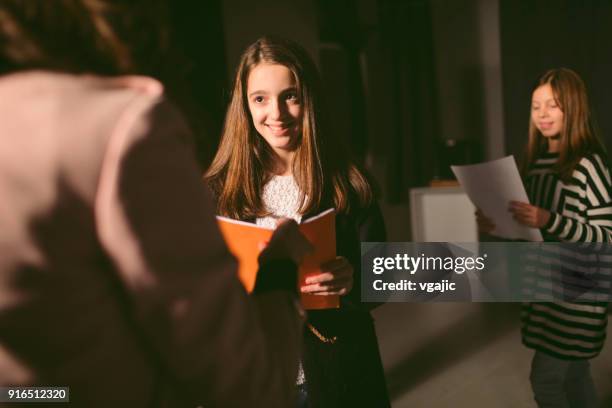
x=581 y=211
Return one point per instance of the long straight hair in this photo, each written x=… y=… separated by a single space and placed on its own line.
x=244 y=160
x=578 y=137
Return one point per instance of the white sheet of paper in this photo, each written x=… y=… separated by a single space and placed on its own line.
x=491 y=186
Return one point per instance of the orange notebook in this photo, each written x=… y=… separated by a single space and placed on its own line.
x=243 y=239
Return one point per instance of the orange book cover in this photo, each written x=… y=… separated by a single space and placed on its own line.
x=243 y=240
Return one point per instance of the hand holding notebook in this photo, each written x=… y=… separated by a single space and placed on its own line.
x=286 y=241
x=244 y=240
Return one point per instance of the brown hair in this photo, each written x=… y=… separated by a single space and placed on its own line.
x=94 y=36
x=243 y=162
x=578 y=137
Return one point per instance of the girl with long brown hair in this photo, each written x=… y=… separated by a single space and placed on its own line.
x=277 y=158
x=567 y=178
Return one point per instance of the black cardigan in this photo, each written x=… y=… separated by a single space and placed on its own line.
x=347 y=373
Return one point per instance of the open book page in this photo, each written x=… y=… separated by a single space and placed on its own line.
x=245 y=241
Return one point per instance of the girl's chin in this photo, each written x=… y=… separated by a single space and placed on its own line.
x=282 y=142
x=549 y=134
x=281 y=148
x=287 y=142
x=284 y=148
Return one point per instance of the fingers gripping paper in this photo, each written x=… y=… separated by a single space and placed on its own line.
x=491 y=186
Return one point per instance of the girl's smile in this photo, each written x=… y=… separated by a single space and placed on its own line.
x=280 y=129
x=545 y=125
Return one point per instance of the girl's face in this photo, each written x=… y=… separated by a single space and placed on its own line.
x=546 y=114
x=274 y=106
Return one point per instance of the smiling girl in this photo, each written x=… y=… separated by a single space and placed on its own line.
x=277 y=158
x=568 y=181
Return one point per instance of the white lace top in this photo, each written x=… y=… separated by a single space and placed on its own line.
x=281 y=198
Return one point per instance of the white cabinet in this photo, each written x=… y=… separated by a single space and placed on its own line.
x=442 y=214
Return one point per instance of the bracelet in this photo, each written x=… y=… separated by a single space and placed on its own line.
x=320 y=336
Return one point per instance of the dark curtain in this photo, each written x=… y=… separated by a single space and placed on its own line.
x=342 y=37
x=195 y=75
x=406 y=33
x=396 y=46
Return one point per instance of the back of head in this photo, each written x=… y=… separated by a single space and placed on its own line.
x=94 y=36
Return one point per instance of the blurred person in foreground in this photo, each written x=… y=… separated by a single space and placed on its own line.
x=114 y=279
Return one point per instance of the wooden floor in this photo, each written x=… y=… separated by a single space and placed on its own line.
x=463 y=355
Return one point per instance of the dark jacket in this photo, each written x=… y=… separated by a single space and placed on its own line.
x=347 y=373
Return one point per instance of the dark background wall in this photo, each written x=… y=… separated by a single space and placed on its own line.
x=538 y=35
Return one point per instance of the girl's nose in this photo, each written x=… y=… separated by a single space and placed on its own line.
x=276 y=110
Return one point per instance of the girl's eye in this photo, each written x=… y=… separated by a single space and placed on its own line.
x=292 y=97
x=258 y=99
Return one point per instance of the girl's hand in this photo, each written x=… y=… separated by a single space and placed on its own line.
x=529 y=215
x=485 y=225
x=336 y=278
x=286 y=243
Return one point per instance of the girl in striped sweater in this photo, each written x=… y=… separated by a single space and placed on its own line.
x=568 y=181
